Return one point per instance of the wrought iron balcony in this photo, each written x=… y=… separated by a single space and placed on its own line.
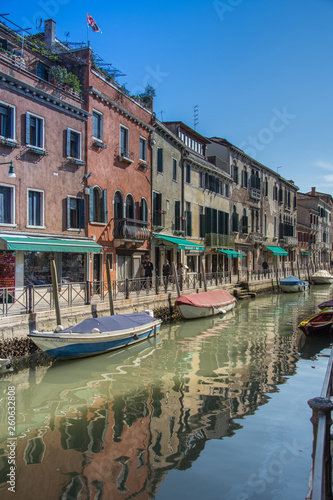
x=130 y=230
x=219 y=240
x=125 y=155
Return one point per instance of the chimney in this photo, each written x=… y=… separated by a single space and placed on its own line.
x=49 y=33
x=313 y=191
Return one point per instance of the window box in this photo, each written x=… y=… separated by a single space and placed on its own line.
x=11 y=143
x=126 y=156
x=99 y=144
x=143 y=165
x=37 y=151
x=75 y=161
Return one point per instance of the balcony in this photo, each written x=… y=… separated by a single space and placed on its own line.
x=290 y=241
x=256 y=238
x=125 y=156
x=321 y=245
x=130 y=232
x=219 y=240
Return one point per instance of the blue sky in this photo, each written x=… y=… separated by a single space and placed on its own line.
x=260 y=71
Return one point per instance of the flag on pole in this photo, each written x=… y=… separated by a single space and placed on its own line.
x=92 y=24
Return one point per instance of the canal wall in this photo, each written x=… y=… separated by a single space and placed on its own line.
x=162 y=305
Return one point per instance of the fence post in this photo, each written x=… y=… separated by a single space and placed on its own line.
x=88 y=294
x=126 y=289
x=322 y=406
x=30 y=292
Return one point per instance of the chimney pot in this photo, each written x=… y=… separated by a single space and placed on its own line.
x=49 y=33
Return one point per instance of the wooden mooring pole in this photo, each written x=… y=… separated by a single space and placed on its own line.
x=55 y=290
x=108 y=276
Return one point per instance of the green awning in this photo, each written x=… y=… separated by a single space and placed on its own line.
x=30 y=244
x=305 y=253
x=231 y=253
x=277 y=250
x=181 y=243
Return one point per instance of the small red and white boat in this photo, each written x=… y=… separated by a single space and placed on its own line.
x=203 y=304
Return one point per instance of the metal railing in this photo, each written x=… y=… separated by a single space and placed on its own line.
x=34 y=298
x=320 y=486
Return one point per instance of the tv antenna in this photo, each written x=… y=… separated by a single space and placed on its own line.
x=196 y=116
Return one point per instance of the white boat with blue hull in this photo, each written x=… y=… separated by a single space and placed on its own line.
x=97 y=335
x=294 y=284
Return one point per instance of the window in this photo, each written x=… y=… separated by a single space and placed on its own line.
x=35 y=208
x=188 y=215
x=98 y=211
x=157 y=209
x=265 y=224
x=7 y=204
x=188 y=174
x=43 y=71
x=143 y=149
x=266 y=187
x=177 y=215
x=201 y=180
x=75 y=213
x=7 y=121
x=174 y=169
x=160 y=160
x=124 y=142
x=34 y=131
x=130 y=208
x=275 y=226
x=118 y=205
x=73 y=144
x=234 y=173
x=144 y=210
x=244 y=178
x=226 y=186
x=245 y=222
x=235 y=220
x=97 y=126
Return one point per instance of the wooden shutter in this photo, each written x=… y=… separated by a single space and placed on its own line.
x=105 y=206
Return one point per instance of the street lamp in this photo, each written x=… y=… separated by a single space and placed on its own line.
x=11 y=172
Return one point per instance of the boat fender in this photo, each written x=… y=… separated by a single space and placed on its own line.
x=95 y=330
x=135 y=337
x=59 y=328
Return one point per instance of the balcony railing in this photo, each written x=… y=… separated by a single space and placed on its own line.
x=219 y=240
x=290 y=241
x=255 y=193
x=131 y=229
x=125 y=155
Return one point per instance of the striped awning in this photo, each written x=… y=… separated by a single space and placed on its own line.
x=35 y=244
x=231 y=253
x=277 y=250
x=181 y=243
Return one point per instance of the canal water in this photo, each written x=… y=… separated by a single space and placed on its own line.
x=210 y=409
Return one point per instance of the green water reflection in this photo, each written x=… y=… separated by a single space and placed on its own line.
x=151 y=421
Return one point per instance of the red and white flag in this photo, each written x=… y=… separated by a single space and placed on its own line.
x=92 y=23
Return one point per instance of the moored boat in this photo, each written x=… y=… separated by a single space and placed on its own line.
x=293 y=284
x=328 y=303
x=97 y=335
x=203 y=304
x=318 y=324
x=322 y=278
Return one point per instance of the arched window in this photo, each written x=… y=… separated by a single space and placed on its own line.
x=118 y=208
x=97 y=204
x=235 y=219
x=143 y=210
x=130 y=207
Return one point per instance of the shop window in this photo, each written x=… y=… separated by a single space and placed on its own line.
x=75 y=213
x=34 y=131
x=7 y=121
x=73 y=149
x=35 y=208
x=7 y=203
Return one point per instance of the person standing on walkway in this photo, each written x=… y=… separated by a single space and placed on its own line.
x=148 y=267
x=166 y=273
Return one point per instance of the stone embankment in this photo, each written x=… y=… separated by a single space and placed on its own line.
x=13 y=329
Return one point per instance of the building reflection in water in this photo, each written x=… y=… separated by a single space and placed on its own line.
x=114 y=425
